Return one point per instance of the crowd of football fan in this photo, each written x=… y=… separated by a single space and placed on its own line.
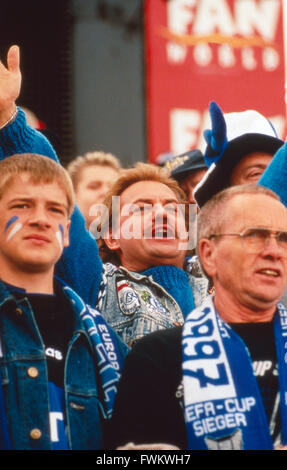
x=120 y=329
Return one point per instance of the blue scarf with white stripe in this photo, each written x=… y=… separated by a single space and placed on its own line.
x=223 y=405
x=107 y=353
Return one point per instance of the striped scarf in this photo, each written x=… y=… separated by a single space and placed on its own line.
x=107 y=353
x=223 y=404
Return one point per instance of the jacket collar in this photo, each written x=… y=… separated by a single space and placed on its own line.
x=7 y=296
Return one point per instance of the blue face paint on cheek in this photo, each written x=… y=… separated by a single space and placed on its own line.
x=60 y=236
x=15 y=228
x=61 y=230
x=10 y=222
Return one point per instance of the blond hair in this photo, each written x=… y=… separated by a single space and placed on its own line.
x=40 y=169
x=89 y=159
x=128 y=177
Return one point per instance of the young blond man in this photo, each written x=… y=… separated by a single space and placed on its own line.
x=53 y=346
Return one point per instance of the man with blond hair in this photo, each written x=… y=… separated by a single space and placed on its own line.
x=92 y=175
x=148 y=288
x=53 y=347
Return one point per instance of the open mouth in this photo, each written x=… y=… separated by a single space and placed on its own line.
x=270 y=272
x=163 y=232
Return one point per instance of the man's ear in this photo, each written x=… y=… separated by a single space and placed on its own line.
x=112 y=243
x=206 y=251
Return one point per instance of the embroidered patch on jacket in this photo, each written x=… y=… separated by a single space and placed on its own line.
x=128 y=299
x=153 y=305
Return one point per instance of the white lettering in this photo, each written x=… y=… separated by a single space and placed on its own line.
x=209 y=408
x=248 y=59
x=179 y=18
x=184 y=127
x=51 y=352
x=266 y=366
x=213 y=17
x=236 y=404
x=180 y=15
x=176 y=53
x=209 y=16
x=103 y=328
x=249 y=18
x=257 y=16
x=205 y=366
x=270 y=59
x=261 y=367
x=130 y=228
x=226 y=56
x=202 y=54
x=109 y=346
x=100 y=212
x=218 y=423
x=54 y=418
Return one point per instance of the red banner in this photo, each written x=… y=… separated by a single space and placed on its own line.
x=197 y=51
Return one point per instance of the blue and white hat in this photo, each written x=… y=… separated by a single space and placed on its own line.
x=245 y=132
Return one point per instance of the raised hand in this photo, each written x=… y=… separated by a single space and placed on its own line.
x=216 y=138
x=10 y=84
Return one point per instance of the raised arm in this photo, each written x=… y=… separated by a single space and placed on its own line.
x=80 y=265
x=10 y=84
x=15 y=135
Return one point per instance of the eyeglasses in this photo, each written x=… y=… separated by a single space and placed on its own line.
x=256 y=239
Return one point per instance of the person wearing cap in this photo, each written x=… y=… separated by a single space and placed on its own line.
x=240 y=146
x=187 y=169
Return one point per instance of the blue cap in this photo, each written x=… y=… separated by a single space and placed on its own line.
x=186 y=163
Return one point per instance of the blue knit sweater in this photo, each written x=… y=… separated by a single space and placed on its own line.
x=175 y=281
x=83 y=277
x=275 y=175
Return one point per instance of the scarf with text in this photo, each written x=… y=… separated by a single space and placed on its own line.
x=107 y=353
x=222 y=401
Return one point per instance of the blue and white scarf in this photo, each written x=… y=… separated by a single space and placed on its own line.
x=222 y=401
x=107 y=353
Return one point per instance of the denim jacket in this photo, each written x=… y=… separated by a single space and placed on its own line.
x=134 y=304
x=25 y=382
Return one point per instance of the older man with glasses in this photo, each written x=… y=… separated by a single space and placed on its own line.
x=219 y=382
